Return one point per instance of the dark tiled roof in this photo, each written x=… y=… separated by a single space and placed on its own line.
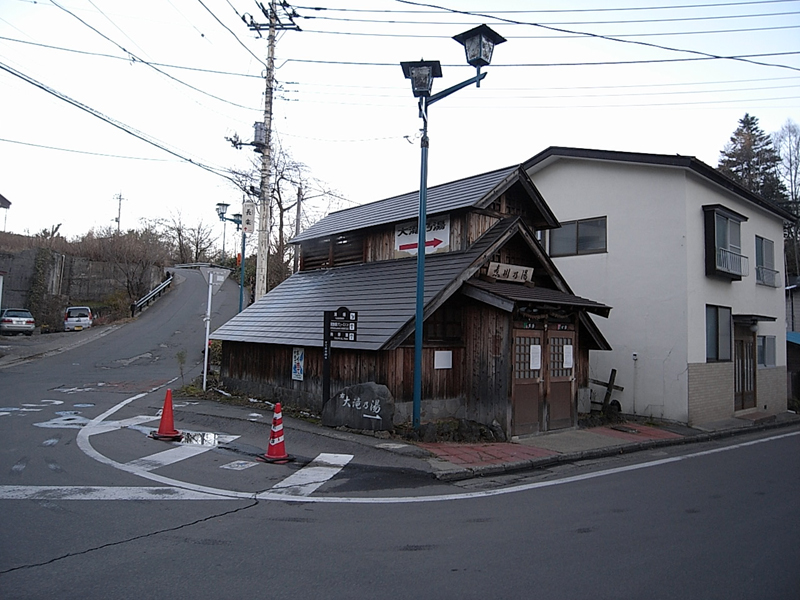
x=538 y=295
x=383 y=293
x=463 y=193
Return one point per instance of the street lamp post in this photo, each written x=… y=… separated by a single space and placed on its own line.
x=478 y=43
x=222 y=208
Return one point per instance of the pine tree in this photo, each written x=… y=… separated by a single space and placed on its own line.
x=751 y=159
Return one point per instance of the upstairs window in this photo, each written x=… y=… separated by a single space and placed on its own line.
x=765 y=263
x=723 y=233
x=719 y=333
x=587 y=236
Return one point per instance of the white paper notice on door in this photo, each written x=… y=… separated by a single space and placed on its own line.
x=536 y=358
x=568 y=357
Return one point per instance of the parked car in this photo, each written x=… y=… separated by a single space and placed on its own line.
x=16 y=320
x=77 y=318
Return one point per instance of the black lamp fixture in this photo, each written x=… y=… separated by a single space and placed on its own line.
x=222 y=208
x=479 y=44
x=421 y=74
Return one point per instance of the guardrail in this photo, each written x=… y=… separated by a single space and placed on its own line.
x=152 y=295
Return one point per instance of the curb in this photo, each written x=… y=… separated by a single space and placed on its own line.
x=463 y=473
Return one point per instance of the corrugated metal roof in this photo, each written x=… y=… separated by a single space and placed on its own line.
x=463 y=193
x=539 y=295
x=383 y=293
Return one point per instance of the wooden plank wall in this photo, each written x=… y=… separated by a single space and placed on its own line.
x=487 y=332
x=246 y=365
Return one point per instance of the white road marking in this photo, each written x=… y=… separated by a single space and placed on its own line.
x=167 y=457
x=86 y=447
x=308 y=479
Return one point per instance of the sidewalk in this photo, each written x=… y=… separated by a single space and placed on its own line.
x=462 y=461
x=450 y=461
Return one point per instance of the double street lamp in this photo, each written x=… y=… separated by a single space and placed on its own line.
x=222 y=208
x=479 y=44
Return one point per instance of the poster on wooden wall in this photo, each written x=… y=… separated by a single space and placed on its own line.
x=298 y=363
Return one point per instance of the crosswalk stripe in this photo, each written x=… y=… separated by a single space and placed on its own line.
x=312 y=476
x=167 y=457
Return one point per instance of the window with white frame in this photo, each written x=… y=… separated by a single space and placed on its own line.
x=766 y=274
x=766 y=350
x=587 y=236
x=723 y=233
x=719 y=333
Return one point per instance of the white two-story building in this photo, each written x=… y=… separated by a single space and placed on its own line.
x=692 y=264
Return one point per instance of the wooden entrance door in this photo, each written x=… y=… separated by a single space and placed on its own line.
x=527 y=384
x=744 y=363
x=560 y=379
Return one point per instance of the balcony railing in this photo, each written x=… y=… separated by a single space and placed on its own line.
x=767 y=276
x=730 y=262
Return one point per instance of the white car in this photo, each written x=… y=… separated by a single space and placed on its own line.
x=77 y=318
x=16 y=320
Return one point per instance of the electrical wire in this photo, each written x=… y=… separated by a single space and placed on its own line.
x=572 y=64
x=128 y=59
x=556 y=10
x=232 y=33
x=558 y=36
x=604 y=37
x=562 y=23
x=113 y=122
x=151 y=65
x=82 y=151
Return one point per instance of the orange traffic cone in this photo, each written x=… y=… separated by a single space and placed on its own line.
x=276 y=452
x=166 y=428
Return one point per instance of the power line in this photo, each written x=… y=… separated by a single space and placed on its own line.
x=614 y=22
x=241 y=43
x=81 y=151
x=572 y=64
x=119 y=125
x=151 y=65
x=558 y=36
x=129 y=59
x=555 y=10
x=603 y=37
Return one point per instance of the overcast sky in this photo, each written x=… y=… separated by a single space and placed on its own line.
x=83 y=84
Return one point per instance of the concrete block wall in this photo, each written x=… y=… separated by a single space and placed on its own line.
x=710 y=392
x=771 y=390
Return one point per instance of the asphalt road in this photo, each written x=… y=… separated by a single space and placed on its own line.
x=90 y=507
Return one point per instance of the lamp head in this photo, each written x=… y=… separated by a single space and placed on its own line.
x=222 y=208
x=421 y=74
x=479 y=43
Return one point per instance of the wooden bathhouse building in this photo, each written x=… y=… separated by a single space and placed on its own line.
x=505 y=340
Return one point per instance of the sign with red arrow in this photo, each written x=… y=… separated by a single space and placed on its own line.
x=437 y=238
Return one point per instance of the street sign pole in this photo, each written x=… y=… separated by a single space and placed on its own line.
x=326 y=358
x=215 y=278
x=340 y=325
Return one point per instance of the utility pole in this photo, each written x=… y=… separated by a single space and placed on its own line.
x=265 y=147
x=119 y=200
x=297 y=228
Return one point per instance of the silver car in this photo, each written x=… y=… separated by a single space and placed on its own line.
x=77 y=318
x=16 y=320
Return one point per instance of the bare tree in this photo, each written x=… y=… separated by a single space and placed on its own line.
x=787 y=144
